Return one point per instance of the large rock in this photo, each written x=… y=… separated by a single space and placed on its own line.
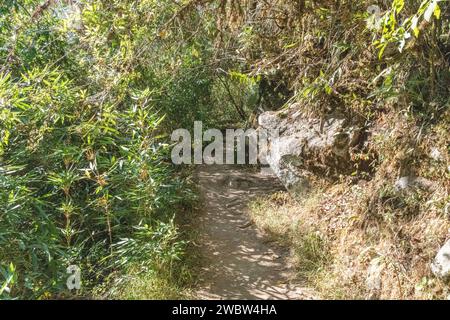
x=300 y=145
x=373 y=280
x=441 y=264
x=408 y=182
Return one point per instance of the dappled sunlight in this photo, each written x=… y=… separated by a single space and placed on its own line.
x=238 y=262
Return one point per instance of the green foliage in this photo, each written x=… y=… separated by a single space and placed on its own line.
x=85 y=177
x=311 y=253
x=399 y=31
x=90 y=92
x=9 y=277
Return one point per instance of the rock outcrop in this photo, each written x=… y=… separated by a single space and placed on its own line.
x=408 y=182
x=300 y=145
x=441 y=264
x=373 y=280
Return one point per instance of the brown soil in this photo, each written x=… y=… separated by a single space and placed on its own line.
x=238 y=260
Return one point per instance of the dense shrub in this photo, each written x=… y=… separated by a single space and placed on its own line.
x=91 y=89
x=85 y=177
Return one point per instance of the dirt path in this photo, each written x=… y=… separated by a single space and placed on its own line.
x=238 y=262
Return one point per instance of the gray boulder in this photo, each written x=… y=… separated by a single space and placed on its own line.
x=441 y=264
x=436 y=155
x=373 y=279
x=407 y=182
x=300 y=145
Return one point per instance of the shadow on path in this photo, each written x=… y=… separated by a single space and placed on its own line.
x=238 y=263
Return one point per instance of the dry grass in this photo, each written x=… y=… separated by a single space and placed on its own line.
x=143 y=285
x=279 y=218
x=275 y=215
x=362 y=241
